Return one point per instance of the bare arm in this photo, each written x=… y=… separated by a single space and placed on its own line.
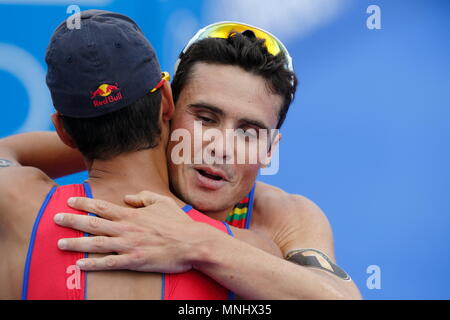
x=249 y=271
x=257 y=240
x=42 y=150
x=152 y=238
x=254 y=274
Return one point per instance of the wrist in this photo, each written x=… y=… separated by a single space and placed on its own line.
x=204 y=250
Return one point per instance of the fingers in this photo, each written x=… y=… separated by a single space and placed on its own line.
x=90 y=224
x=134 y=201
x=143 y=199
x=99 y=244
x=112 y=262
x=101 y=208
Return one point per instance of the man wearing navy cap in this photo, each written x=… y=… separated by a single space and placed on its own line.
x=211 y=83
x=113 y=104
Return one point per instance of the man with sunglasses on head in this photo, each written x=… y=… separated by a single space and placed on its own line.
x=232 y=77
x=113 y=105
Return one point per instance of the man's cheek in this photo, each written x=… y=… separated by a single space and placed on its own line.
x=248 y=173
x=194 y=137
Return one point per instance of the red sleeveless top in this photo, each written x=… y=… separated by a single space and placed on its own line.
x=52 y=274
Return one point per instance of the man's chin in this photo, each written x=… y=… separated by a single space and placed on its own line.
x=209 y=202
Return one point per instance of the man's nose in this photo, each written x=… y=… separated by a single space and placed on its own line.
x=220 y=149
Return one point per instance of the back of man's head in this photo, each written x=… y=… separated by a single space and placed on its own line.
x=100 y=77
x=246 y=51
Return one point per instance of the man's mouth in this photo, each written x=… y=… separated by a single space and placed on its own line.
x=208 y=178
x=209 y=175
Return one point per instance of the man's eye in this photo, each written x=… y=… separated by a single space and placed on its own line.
x=205 y=120
x=249 y=132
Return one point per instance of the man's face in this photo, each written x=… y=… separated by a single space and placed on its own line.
x=224 y=98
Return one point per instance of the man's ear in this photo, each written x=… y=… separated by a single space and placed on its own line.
x=273 y=146
x=62 y=133
x=167 y=105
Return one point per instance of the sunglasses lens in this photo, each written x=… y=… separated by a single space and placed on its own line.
x=228 y=29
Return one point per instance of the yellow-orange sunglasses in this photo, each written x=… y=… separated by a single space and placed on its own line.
x=226 y=29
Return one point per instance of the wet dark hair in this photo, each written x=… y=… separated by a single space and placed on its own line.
x=247 y=52
x=132 y=128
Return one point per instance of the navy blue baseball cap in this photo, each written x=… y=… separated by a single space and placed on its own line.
x=103 y=66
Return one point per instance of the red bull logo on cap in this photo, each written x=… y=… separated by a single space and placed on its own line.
x=105 y=94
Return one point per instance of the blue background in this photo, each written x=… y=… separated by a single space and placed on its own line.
x=366 y=138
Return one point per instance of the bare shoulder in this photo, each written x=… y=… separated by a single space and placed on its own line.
x=20 y=187
x=17 y=176
x=294 y=220
x=271 y=200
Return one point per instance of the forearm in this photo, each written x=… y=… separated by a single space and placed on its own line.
x=248 y=271
x=257 y=240
x=42 y=150
x=254 y=274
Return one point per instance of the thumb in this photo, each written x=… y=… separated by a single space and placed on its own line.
x=142 y=199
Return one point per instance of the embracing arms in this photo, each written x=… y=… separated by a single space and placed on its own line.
x=46 y=152
x=250 y=272
x=42 y=150
x=254 y=274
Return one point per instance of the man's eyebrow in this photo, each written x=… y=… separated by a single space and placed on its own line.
x=207 y=106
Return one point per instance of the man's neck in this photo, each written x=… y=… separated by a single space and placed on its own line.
x=130 y=173
x=219 y=215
